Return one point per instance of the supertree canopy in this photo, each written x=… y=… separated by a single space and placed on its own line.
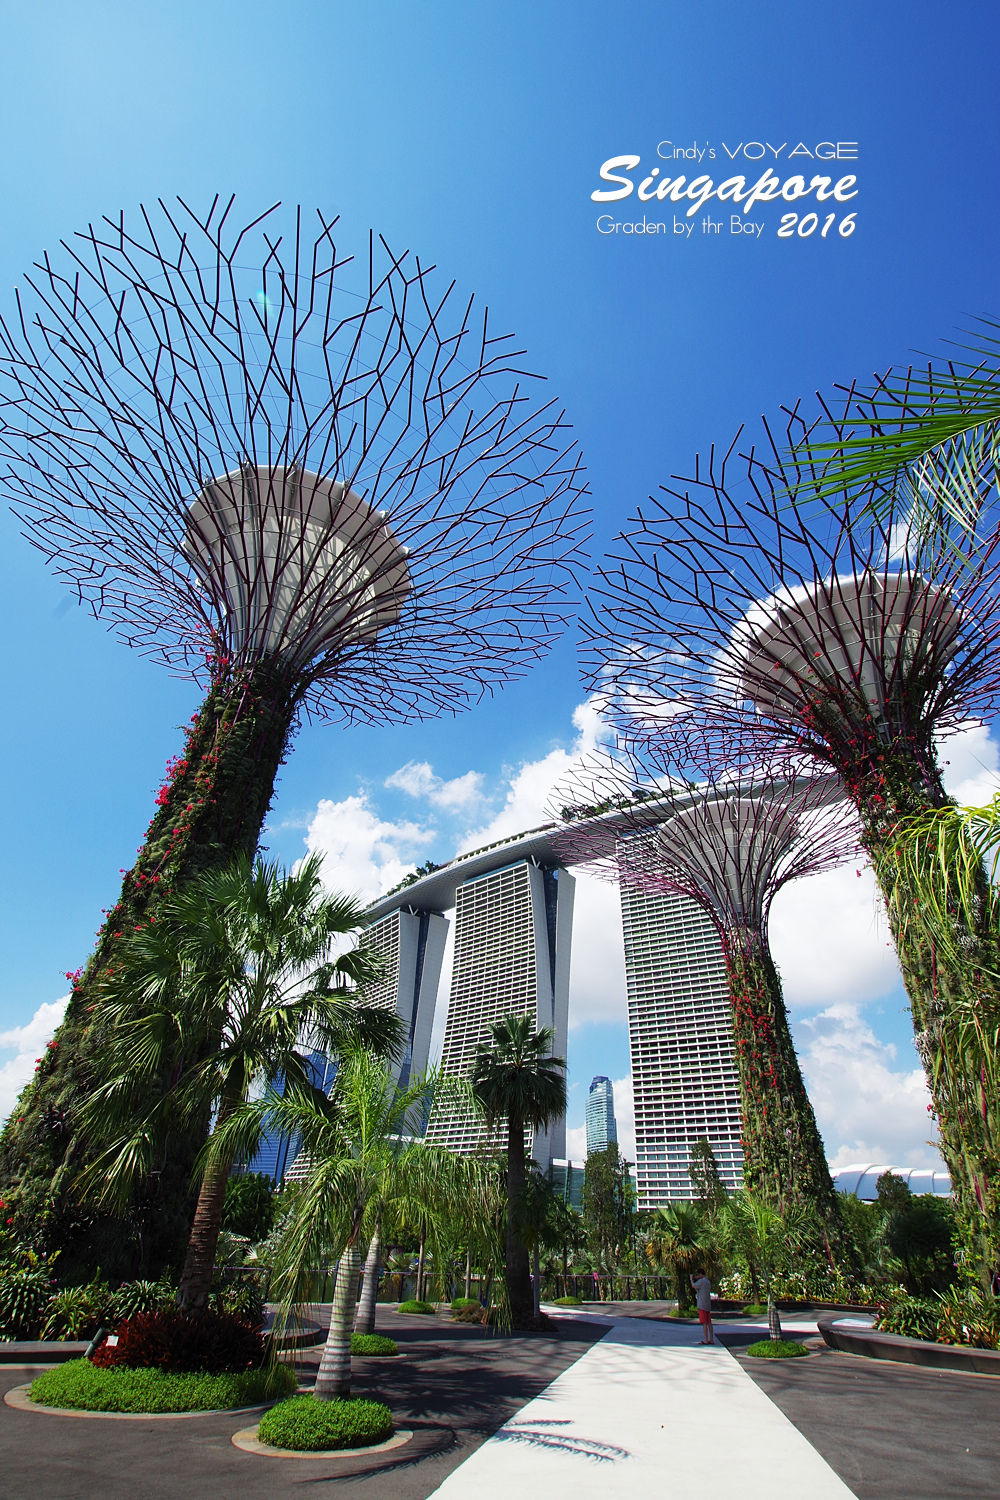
x=728 y=839
x=750 y=600
x=315 y=483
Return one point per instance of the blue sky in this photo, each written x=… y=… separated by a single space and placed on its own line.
x=475 y=134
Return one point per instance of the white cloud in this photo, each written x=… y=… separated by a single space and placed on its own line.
x=829 y=938
x=970 y=761
x=866 y=1109
x=362 y=853
x=417 y=779
x=26 y=1042
x=531 y=785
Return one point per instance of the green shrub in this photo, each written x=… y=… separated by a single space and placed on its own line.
x=413 y=1306
x=755 y=1309
x=77 y=1312
x=970 y=1318
x=567 y=1301
x=461 y=1304
x=24 y=1294
x=372 y=1343
x=310 y=1426
x=135 y=1297
x=776 y=1349
x=910 y=1317
x=80 y=1386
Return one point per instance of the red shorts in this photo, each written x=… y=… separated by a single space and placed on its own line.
x=704 y=1316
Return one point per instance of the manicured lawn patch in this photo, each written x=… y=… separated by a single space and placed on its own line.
x=415 y=1307
x=80 y=1386
x=307 y=1425
x=372 y=1343
x=776 y=1349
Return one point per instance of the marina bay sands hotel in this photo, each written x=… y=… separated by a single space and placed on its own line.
x=513 y=914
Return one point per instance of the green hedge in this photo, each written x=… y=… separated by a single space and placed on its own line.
x=463 y=1304
x=310 y=1426
x=80 y=1386
x=567 y=1301
x=776 y=1349
x=372 y=1343
x=415 y=1307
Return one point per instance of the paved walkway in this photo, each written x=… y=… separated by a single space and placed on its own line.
x=646 y=1408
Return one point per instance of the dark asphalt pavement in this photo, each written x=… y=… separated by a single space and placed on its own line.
x=459 y=1376
x=892 y=1432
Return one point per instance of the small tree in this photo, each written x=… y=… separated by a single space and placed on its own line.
x=703 y=1169
x=607 y=1205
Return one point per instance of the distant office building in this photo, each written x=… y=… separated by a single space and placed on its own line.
x=602 y=1128
x=566 y=1178
x=277 y=1152
x=680 y=1034
x=512 y=941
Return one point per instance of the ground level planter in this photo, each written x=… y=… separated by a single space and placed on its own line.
x=850 y=1336
x=406 y=1446
x=79 y=1386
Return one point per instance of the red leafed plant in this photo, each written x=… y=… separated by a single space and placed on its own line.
x=173 y=1340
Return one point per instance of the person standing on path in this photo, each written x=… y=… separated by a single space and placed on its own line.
x=703 y=1299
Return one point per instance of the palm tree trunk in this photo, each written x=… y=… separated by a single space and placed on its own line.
x=364 y=1322
x=420 y=1262
x=517 y=1273
x=333 y=1379
x=536 y=1285
x=199 y=1260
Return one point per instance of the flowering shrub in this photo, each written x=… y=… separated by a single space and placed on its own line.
x=179 y=1341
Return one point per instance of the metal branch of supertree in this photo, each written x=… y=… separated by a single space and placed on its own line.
x=729 y=840
x=745 y=596
x=239 y=445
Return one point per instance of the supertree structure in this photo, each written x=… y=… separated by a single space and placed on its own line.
x=727 y=839
x=846 y=629
x=316 y=484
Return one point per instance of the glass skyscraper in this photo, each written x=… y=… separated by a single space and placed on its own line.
x=602 y=1127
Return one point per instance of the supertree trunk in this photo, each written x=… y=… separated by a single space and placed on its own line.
x=952 y=985
x=211 y=807
x=783 y=1157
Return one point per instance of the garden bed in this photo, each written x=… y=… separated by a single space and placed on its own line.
x=80 y=1386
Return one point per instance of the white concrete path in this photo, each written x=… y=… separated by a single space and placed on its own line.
x=646 y=1412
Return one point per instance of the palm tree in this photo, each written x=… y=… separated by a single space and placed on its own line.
x=940 y=423
x=678 y=1239
x=516 y=1079
x=366 y=1161
x=210 y=1004
x=764 y=1236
